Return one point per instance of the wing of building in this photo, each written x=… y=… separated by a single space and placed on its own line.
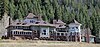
x=33 y=27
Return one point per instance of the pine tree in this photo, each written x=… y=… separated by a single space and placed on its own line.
x=66 y=10
x=12 y=9
x=1 y=9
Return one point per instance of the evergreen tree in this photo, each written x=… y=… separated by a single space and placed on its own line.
x=66 y=10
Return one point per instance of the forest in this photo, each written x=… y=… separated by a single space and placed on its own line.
x=87 y=12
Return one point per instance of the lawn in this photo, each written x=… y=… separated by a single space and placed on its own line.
x=43 y=43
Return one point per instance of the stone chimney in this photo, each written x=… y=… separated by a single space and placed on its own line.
x=54 y=21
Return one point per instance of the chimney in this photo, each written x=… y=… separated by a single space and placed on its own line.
x=54 y=21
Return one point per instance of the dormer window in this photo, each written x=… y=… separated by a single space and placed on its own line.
x=31 y=21
x=37 y=22
x=24 y=23
x=44 y=22
x=60 y=25
x=18 y=23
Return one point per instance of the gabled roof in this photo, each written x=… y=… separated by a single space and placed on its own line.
x=75 y=22
x=31 y=15
x=43 y=23
x=58 y=22
x=60 y=26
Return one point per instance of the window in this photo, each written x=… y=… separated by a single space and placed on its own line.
x=22 y=32
x=31 y=21
x=29 y=33
x=26 y=32
x=44 y=22
x=14 y=32
x=60 y=25
x=24 y=23
x=18 y=23
x=58 y=34
x=26 y=27
x=18 y=33
x=37 y=22
x=65 y=34
x=62 y=34
x=72 y=27
x=67 y=31
x=44 y=32
x=51 y=32
x=76 y=27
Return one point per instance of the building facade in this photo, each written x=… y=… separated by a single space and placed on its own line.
x=74 y=31
x=34 y=27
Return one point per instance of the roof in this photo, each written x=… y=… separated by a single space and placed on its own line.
x=60 y=22
x=41 y=23
x=51 y=25
x=75 y=22
x=60 y=26
x=31 y=15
